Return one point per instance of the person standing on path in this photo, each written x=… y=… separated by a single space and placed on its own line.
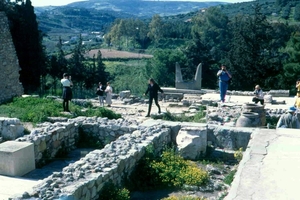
x=224 y=77
x=100 y=92
x=108 y=91
x=67 y=91
x=153 y=89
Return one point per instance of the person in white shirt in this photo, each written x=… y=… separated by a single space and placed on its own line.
x=67 y=91
x=259 y=95
x=108 y=91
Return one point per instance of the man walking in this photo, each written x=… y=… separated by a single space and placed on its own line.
x=153 y=89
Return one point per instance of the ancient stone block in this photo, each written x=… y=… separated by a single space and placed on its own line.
x=16 y=158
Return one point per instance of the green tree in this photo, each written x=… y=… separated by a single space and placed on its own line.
x=28 y=43
x=162 y=66
x=291 y=67
x=197 y=52
x=156 y=28
x=254 y=56
x=297 y=12
x=101 y=74
x=77 y=67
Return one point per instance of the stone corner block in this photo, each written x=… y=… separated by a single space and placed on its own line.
x=16 y=158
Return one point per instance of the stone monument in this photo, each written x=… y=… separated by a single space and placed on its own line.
x=190 y=85
x=9 y=65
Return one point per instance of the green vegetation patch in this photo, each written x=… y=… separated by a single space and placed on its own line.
x=198 y=117
x=36 y=110
x=169 y=170
x=111 y=191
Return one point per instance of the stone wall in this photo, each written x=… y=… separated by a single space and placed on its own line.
x=50 y=138
x=85 y=178
x=9 y=65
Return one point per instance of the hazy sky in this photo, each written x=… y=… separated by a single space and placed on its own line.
x=64 y=2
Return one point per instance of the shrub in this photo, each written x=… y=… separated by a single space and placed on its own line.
x=238 y=155
x=173 y=170
x=111 y=192
x=144 y=177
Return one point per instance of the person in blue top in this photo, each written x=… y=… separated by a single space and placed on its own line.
x=224 y=77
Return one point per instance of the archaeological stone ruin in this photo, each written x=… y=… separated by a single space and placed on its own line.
x=9 y=65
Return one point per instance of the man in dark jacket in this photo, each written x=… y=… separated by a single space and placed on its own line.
x=153 y=89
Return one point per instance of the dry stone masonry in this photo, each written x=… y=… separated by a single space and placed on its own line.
x=126 y=142
x=85 y=178
x=50 y=138
x=9 y=65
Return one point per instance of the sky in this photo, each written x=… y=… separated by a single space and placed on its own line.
x=65 y=2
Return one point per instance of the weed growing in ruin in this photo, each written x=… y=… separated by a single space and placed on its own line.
x=112 y=192
x=167 y=170
x=174 y=170
x=198 y=117
x=37 y=110
x=229 y=178
x=88 y=140
x=238 y=155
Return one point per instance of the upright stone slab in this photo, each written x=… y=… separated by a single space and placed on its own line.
x=16 y=158
x=192 y=142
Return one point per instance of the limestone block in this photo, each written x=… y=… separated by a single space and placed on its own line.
x=192 y=142
x=11 y=128
x=16 y=158
x=125 y=94
x=268 y=98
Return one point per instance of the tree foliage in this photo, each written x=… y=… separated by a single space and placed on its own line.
x=28 y=43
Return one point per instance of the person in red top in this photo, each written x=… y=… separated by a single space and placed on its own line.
x=153 y=89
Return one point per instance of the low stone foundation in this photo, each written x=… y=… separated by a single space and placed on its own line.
x=85 y=178
x=49 y=139
x=115 y=162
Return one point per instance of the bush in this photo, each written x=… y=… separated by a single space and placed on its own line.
x=144 y=177
x=238 y=155
x=111 y=192
x=173 y=170
x=168 y=170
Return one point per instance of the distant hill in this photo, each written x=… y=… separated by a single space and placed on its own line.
x=68 y=22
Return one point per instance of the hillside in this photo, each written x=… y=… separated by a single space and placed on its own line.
x=93 y=18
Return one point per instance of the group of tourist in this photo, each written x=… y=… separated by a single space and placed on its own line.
x=100 y=92
x=287 y=120
x=66 y=82
x=67 y=92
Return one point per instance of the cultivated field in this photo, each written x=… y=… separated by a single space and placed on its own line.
x=111 y=53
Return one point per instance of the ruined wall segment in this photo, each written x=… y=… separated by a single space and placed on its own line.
x=9 y=65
